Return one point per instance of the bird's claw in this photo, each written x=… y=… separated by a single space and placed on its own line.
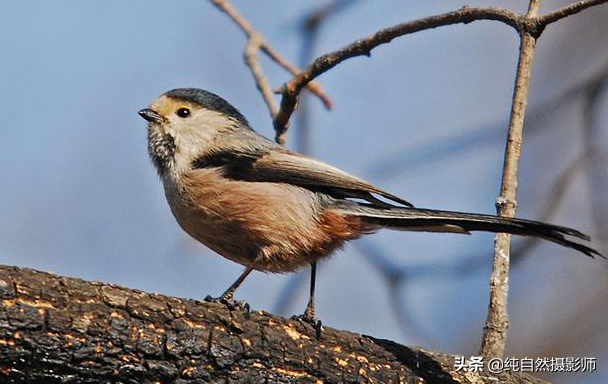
x=313 y=321
x=229 y=302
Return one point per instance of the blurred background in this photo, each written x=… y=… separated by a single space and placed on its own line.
x=425 y=118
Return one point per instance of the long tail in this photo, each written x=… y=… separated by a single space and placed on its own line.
x=429 y=220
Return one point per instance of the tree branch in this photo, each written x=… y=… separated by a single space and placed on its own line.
x=364 y=46
x=521 y=23
x=257 y=42
x=253 y=62
x=55 y=329
x=497 y=321
x=310 y=30
x=566 y=11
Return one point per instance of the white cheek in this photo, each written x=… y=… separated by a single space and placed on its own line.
x=193 y=135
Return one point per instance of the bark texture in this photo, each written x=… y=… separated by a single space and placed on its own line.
x=64 y=330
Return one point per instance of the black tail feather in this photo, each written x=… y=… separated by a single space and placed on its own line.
x=445 y=221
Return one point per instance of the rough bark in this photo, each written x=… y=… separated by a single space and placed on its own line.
x=61 y=330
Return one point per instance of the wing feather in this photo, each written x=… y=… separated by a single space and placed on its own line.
x=283 y=166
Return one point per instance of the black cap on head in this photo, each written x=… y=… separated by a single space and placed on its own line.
x=208 y=100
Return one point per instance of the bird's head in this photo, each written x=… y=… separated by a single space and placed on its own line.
x=185 y=122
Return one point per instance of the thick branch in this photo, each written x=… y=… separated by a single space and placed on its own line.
x=55 y=329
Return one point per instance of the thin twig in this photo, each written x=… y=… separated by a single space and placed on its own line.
x=566 y=11
x=363 y=47
x=360 y=47
x=256 y=42
x=310 y=29
x=497 y=321
x=253 y=62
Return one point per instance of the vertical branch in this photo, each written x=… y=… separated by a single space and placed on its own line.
x=497 y=321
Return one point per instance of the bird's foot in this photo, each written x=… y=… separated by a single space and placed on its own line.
x=229 y=302
x=313 y=321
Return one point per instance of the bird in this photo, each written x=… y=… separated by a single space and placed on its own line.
x=274 y=210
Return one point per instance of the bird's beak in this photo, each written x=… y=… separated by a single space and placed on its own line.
x=150 y=115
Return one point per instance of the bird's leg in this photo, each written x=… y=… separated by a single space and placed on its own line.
x=229 y=293
x=309 y=313
x=228 y=296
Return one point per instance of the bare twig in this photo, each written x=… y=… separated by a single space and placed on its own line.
x=566 y=11
x=251 y=58
x=530 y=24
x=495 y=331
x=360 y=47
x=257 y=42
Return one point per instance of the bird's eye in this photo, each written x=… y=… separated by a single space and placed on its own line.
x=183 y=112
